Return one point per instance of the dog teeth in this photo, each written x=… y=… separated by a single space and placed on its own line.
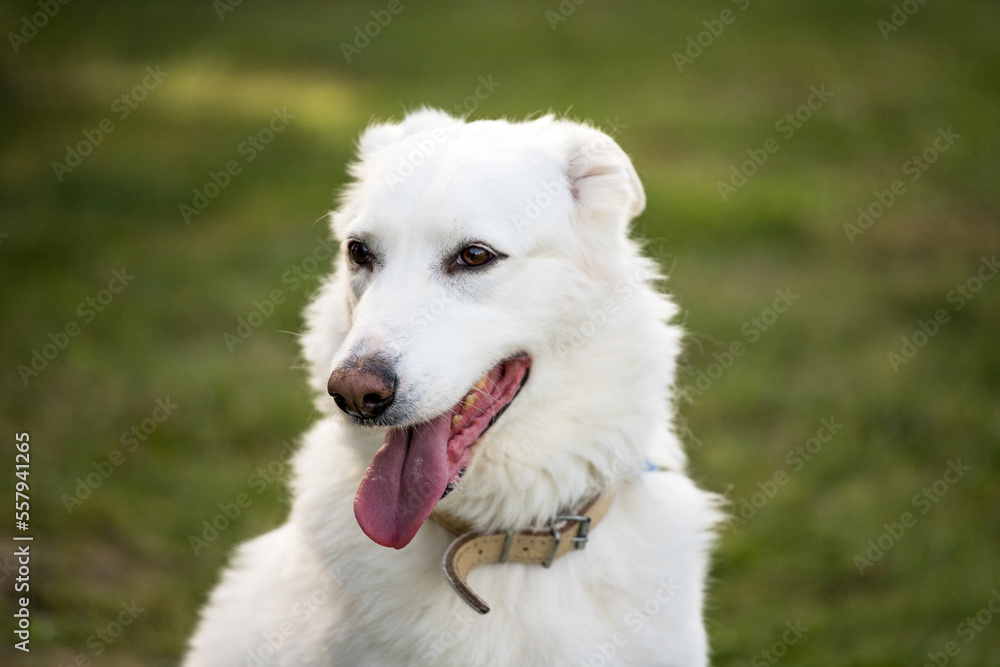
x=482 y=382
x=456 y=420
x=470 y=399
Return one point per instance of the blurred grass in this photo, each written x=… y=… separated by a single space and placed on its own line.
x=825 y=357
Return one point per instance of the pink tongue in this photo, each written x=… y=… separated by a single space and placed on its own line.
x=404 y=482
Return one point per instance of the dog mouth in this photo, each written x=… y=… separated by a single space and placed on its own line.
x=418 y=465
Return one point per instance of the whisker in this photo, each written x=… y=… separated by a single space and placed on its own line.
x=489 y=395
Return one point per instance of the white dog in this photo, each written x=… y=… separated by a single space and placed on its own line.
x=501 y=370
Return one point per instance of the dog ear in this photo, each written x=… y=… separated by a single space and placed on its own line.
x=601 y=177
x=383 y=135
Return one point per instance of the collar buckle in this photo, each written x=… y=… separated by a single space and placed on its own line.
x=579 y=540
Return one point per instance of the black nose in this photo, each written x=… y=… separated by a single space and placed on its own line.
x=364 y=389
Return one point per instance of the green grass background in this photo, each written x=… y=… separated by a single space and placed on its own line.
x=610 y=63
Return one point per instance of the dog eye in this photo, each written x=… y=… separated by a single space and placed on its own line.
x=474 y=255
x=359 y=253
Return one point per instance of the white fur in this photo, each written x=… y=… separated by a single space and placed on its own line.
x=576 y=294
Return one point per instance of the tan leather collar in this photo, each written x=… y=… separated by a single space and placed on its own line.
x=565 y=533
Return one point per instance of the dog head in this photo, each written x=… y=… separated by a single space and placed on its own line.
x=473 y=257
